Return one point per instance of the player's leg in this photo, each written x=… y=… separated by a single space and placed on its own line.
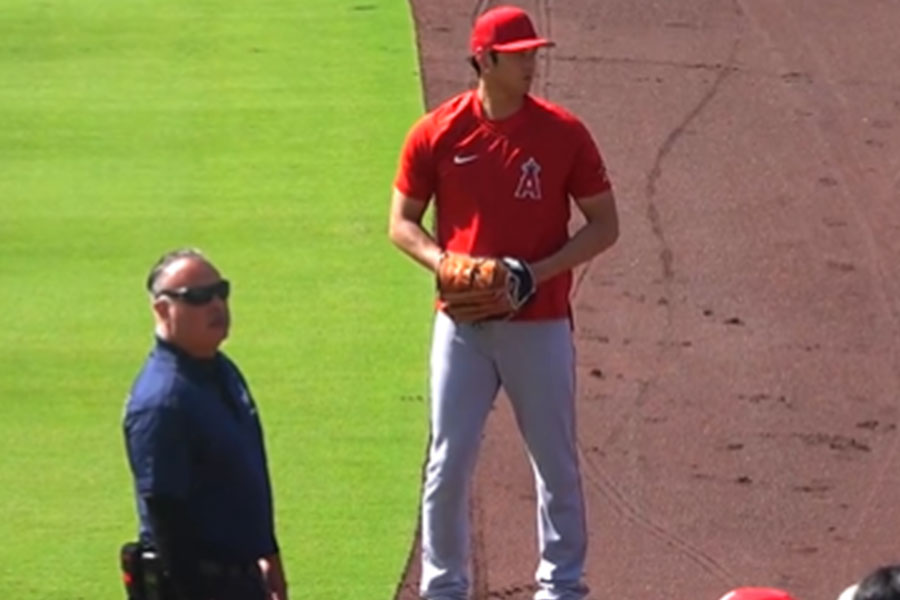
x=464 y=383
x=537 y=367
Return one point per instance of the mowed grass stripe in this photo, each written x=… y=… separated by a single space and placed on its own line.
x=266 y=134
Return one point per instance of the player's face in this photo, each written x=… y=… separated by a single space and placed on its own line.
x=191 y=306
x=514 y=71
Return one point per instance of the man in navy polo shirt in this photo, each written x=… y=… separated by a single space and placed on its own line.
x=195 y=446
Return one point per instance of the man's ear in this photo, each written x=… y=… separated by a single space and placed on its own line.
x=161 y=308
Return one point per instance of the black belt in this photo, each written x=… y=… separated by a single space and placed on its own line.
x=210 y=568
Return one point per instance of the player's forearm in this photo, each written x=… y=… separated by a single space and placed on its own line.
x=416 y=242
x=592 y=239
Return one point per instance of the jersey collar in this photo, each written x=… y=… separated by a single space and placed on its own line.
x=507 y=125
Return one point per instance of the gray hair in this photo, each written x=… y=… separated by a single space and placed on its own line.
x=167 y=259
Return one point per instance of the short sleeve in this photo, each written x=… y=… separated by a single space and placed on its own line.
x=157 y=443
x=588 y=176
x=416 y=171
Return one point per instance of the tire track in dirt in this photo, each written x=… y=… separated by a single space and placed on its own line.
x=594 y=475
x=597 y=479
x=829 y=101
x=480 y=571
x=666 y=253
x=544 y=25
x=480 y=7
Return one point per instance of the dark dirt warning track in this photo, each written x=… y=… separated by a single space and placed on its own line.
x=739 y=349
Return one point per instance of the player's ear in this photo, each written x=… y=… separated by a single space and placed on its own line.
x=486 y=59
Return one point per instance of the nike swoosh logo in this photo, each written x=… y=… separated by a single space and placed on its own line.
x=461 y=159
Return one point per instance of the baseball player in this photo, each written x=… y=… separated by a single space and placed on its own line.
x=503 y=168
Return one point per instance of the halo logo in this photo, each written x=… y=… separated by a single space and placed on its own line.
x=530 y=182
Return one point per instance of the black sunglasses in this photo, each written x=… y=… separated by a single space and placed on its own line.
x=200 y=295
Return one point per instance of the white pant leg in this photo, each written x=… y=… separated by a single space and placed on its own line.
x=536 y=361
x=464 y=384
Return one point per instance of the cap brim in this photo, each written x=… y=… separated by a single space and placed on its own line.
x=522 y=45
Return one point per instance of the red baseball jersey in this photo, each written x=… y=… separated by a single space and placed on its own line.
x=503 y=188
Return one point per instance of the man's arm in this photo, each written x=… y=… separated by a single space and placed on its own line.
x=599 y=233
x=158 y=453
x=175 y=544
x=270 y=564
x=406 y=231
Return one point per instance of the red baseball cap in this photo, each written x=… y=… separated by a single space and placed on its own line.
x=757 y=593
x=505 y=29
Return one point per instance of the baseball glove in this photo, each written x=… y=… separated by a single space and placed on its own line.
x=477 y=288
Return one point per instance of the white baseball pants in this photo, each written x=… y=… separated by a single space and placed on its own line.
x=534 y=362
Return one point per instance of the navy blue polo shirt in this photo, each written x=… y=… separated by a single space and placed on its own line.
x=193 y=433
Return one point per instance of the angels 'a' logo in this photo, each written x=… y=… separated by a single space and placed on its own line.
x=530 y=181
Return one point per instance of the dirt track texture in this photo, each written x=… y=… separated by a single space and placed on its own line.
x=739 y=349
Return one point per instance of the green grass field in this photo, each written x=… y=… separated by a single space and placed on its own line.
x=265 y=133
